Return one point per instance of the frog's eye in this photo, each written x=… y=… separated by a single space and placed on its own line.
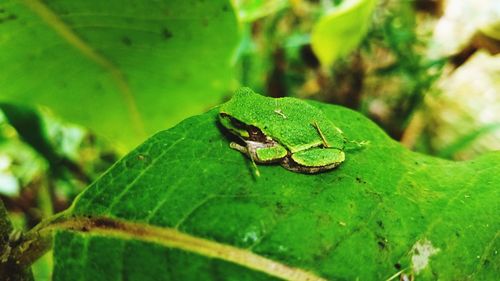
x=257 y=134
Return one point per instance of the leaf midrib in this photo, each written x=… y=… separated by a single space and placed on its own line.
x=173 y=238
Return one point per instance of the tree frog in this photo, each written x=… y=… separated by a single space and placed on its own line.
x=287 y=131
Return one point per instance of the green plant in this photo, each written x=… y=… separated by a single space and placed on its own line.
x=185 y=206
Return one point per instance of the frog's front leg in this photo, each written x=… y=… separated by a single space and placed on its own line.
x=314 y=160
x=240 y=148
x=262 y=152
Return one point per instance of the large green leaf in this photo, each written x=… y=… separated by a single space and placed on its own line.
x=341 y=30
x=184 y=206
x=124 y=69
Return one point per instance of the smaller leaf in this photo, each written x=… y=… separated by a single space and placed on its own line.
x=340 y=31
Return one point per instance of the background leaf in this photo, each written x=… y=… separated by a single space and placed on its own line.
x=131 y=68
x=184 y=206
x=339 y=32
x=250 y=10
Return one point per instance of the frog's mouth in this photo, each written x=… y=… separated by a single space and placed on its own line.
x=245 y=131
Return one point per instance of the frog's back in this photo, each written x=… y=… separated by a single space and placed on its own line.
x=290 y=121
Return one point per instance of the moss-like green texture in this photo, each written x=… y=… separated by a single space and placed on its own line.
x=290 y=121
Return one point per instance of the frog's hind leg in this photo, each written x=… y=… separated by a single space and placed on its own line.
x=314 y=160
x=273 y=154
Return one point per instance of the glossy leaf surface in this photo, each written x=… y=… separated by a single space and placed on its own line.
x=184 y=206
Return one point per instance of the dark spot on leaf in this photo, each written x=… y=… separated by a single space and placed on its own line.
x=8 y=18
x=2 y=10
x=381 y=244
x=380 y=224
x=225 y=8
x=204 y=22
x=127 y=41
x=457 y=234
x=167 y=34
x=360 y=180
x=280 y=208
x=279 y=205
x=486 y=262
x=397 y=266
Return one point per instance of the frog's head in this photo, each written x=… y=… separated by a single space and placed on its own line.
x=232 y=112
x=240 y=129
